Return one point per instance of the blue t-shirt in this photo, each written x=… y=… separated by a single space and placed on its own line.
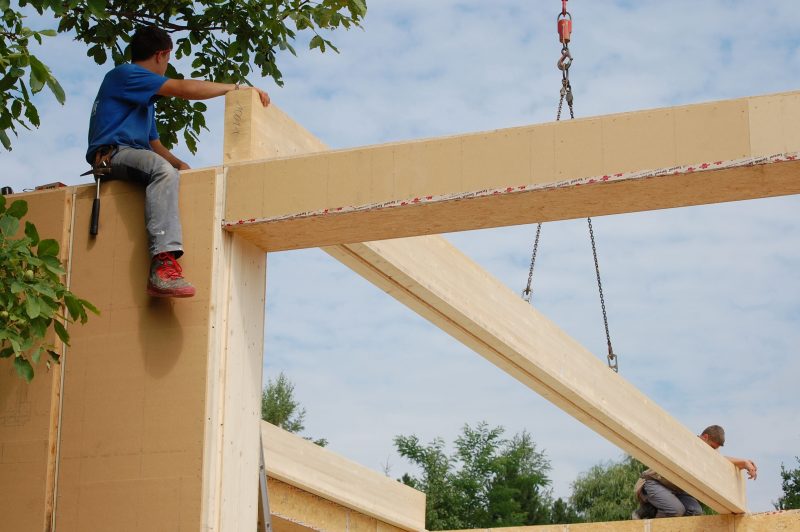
x=124 y=112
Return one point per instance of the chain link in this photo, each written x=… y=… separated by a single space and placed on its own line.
x=564 y=64
x=527 y=294
x=612 y=358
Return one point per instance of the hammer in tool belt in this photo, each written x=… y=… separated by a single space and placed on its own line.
x=100 y=169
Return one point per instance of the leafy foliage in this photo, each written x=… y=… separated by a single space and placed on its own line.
x=279 y=407
x=605 y=492
x=563 y=513
x=32 y=296
x=487 y=482
x=791 y=488
x=228 y=39
x=22 y=74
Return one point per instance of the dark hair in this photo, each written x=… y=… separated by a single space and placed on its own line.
x=147 y=41
x=716 y=434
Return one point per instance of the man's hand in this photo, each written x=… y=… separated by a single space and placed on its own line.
x=752 y=470
x=744 y=463
x=262 y=95
x=183 y=166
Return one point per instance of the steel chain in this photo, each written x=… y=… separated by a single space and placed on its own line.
x=612 y=358
x=564 y=64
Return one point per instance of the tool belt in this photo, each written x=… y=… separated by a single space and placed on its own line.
x=102 y=161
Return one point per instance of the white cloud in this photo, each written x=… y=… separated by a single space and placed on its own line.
x=703 y=302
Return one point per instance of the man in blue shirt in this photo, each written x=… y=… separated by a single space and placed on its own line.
x=123 y=123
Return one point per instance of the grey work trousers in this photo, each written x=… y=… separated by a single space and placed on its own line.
x=161 y=180
x=670 y=503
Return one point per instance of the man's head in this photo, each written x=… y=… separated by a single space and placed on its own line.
x=151 y=44
x=714 y=436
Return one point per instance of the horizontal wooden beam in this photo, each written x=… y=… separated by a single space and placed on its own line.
x=664 y=158
x=316 y=470
x=434 y=279
x=762 y=522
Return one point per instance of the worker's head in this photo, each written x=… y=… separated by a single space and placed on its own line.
x=713 y=435
x=153 y=45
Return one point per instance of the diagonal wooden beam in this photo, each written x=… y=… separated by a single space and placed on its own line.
x=431 y=277
x=434 y=279
x=673 y=157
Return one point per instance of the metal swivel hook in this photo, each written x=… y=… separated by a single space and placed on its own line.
x=566 y=60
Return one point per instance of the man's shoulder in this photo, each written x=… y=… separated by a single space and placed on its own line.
x=131 y=70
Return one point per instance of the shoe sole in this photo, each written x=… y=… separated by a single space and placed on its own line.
x=155 y=293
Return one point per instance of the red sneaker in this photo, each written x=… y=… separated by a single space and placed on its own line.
x=165 y=278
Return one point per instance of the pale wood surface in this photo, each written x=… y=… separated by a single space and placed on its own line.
x=135 y=377
x=231 y=453
x=539 y=154
x=294 y=510
x=435 y=280
x=318 y=471
x=788 y=521
x=544 y=205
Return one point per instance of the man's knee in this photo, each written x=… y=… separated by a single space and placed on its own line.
x=693 y=509
x=675 y=509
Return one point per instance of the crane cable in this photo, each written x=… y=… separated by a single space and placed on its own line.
x=564 y=24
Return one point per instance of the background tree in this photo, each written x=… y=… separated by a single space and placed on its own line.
x=791 y=488
x=279 y=407
x=487 y=481
x=605 y=492
x=563 y=513
x=228 y=41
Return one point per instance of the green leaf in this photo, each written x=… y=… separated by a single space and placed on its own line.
x=32 y=307
x=17 y=287
x=8 y=225
x=36 y=355
x=18 y=209
x=39 y=74
x=361 y=7
x=2 y=204
x=32 y=233
x=45 y=289
x=24 y=368
x=56 y=89
x=7 y=352
x=4 y=4
x=47 y=247
x=48 y=33
x=73 y=306
x=89 y=306
x=61 y=331
x=53 y=265
x=54 y=355
x=317 y=42
x=97 y=8
x=39 y=327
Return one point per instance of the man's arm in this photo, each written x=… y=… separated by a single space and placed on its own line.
x=744 y=463
x=166 y=154
x=195 y=89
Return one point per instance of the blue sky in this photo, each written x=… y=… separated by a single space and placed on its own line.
x=703 y=302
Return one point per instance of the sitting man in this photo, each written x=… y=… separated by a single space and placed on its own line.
x=659 y=497
x=122 y=134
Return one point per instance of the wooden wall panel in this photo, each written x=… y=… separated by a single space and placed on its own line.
x=29 y=412
x=135 y=387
